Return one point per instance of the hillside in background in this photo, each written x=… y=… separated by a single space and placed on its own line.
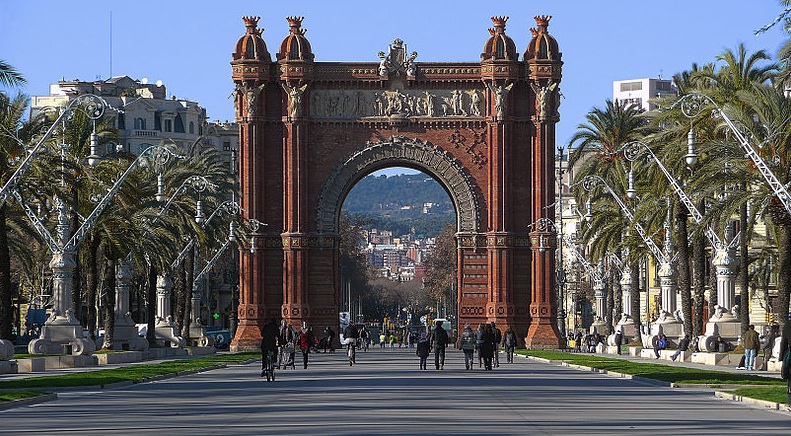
x=403 y=204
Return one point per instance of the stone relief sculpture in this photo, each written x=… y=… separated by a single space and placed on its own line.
x=545 y=97
x=500 y=94
x=295 y=98
x=251 y=93
x=475 y=103
x=332 y=103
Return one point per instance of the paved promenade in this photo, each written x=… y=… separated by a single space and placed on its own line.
x=385 y=393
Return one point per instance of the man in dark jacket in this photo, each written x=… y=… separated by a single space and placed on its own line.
x=785 y=348
x=439 y=338
x=269 y=337
x=498 y=337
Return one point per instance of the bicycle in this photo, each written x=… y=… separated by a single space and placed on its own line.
x=352 y=347
x=269 y=367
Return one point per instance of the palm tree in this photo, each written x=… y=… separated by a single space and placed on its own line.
x=15 y=233
x=10 y=76
x=741 y=74
x=597 y=145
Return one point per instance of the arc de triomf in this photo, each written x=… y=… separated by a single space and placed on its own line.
x=484 y=130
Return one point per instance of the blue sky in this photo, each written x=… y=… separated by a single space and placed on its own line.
x=188 y=44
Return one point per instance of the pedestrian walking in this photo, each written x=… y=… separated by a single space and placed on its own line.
x=785 y=356
x=498 y=337
x=479 y=343
x=487 y=347
x=467 y=345
x=439 y=339
x=751 y=343
x=306 y=341
x=423 y=350
x=509 y=343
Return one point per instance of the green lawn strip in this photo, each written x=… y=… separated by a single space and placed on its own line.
x=19 y=395
x=131 y=373
x=655 y=371
x=773 y=394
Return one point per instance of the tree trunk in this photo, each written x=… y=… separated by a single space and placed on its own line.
x=189 y=269
x=636 y=315
x=108 y=302
x=151 y=305
x=178 y=295
x=610 y=304
x=682 y=245
x=783 y=272
x=92 y=285
x=77 y=281
x=699 y=265
x=6 y=301
x=743 y=279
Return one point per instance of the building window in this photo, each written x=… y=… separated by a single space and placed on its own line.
x=200 y=130
x=178 y=126
x=140 y=123
x=631 y=86
x=664 y=86
x=158 y=120
x=121 y=122
x=226 y=146
x=168 y=125
x=192 y=127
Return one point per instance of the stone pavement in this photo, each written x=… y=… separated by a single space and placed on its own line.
x=385 y=393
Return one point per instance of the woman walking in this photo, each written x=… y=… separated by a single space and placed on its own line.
x=487 y=347
x=423 y=349
x=509 y=343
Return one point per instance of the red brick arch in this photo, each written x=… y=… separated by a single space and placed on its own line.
x=484 y=130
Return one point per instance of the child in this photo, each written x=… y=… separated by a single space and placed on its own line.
x=423 y=348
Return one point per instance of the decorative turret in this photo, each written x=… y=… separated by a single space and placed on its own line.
x=251 y=46
x=499 y=46
x=295 y=47
x=250 y=69
x=499 y=60
x=543 y=45
x=295 y=56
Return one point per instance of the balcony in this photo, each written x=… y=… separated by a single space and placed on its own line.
x=149 y=133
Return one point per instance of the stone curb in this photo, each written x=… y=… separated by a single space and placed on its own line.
x=768 y=404
x=27 y=401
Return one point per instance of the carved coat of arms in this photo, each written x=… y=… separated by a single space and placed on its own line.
x=396 y=60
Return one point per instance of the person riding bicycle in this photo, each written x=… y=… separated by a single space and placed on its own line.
x=269 y=340
x=351 y=335
x=364 y=338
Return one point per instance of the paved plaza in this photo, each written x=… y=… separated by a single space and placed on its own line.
x=385 y=393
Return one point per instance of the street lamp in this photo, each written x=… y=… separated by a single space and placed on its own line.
x=692 y=105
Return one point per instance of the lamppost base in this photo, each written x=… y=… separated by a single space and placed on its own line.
x=6 y=350
x=61 y=335
x=726 y=327
x=166 y=331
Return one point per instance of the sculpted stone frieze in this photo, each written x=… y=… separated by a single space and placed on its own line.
x=403 y=103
